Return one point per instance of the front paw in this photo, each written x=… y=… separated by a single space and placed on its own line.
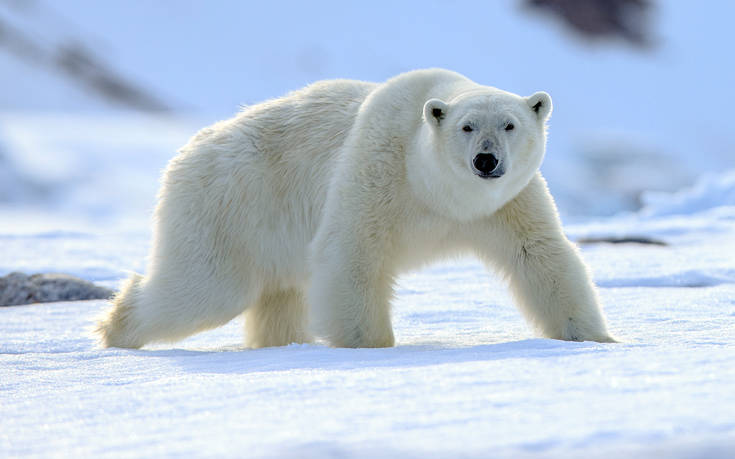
x=574 y=332
x=361 y=339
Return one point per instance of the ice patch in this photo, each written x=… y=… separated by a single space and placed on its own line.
x=709 y=192
x=691 y=278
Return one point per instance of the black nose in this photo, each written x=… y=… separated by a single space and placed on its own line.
x=486 y=164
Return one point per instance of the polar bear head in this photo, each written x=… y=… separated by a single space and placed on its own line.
x=487 y=143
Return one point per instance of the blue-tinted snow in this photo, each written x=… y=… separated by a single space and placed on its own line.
x=468 y=377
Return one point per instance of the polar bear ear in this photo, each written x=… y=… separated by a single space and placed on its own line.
x=434 y=111
x=540 y=103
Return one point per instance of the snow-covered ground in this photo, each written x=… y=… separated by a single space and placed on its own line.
x=467 y=376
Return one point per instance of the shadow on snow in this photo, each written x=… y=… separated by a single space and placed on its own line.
x=314 y=356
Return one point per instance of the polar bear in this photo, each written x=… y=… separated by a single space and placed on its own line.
x=304 y=209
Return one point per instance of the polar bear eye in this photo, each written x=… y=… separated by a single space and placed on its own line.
x=467 y=128
x=509 y=127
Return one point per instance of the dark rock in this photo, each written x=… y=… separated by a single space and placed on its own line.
x=622 y=240
x=18 y=288
x=626 y=19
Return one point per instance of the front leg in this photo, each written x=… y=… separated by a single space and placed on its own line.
x=350 y=290
x=547 y=276
x=352 y=277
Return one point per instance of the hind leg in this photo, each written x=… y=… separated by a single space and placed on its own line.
x=278 y=318
x=166 y=310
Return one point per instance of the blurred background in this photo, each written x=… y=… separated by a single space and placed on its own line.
x=95 y=97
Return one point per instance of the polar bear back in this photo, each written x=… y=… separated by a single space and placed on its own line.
x=257 y=184
x=264 y=172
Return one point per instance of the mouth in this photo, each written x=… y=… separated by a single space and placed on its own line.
x=487 y=166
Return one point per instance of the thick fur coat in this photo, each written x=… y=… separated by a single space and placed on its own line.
x=301 y=211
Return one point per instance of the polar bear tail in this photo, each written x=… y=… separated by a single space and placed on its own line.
x=119 y=327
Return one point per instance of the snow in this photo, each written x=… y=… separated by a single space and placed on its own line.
x=465 y=378
x=711 y=190
x=468 y=377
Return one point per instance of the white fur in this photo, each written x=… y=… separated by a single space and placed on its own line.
x=316 y=201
